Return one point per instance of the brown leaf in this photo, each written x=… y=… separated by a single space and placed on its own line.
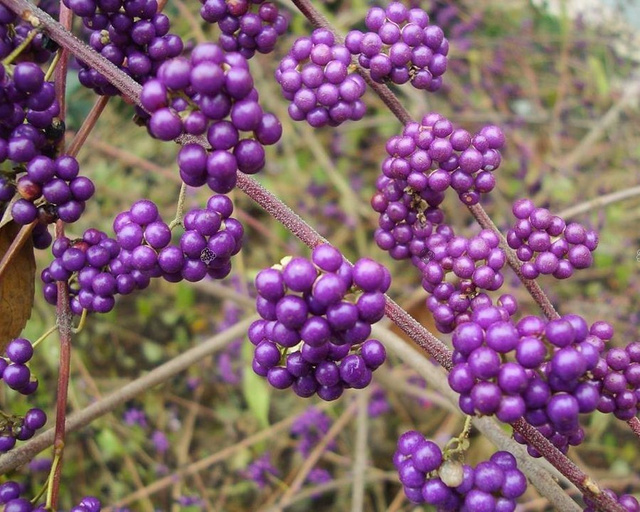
x=17 y=285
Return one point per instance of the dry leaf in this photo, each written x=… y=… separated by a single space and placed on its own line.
x=17 y=285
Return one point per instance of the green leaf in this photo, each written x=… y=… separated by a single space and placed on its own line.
x=599 y=74
x=255 y=390
x=110 y=445
x=185 y=297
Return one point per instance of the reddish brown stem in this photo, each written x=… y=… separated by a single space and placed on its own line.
x=64 y=316
x=60 y=73
x=634 y=423
x=87 y=125
x=63 y=307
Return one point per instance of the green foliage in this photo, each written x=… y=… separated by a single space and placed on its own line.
x=255 y=390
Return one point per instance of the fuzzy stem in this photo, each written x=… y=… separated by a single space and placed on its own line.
x=87 y=125
x=177 y=221
x=64 y=316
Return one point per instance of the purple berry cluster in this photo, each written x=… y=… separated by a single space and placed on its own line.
x=100 y=267
x=247 y=26
x=316 y=320
x=427 y=476
x=475 y=262
x=14 y=31
x=10 y=492
x=36 y=185
x=17 y=375
x=423 y=162
x=628 y=501
x=15 y=372
x=408 y=218
x=56 y=181
x=536 y=369
x=617 y=375
x=401 y=46
x=27 y=108
x=317 y=77
x=432 y=155
x=547 y=245
x=211 y=93
x=129 y=33
x=20 y=428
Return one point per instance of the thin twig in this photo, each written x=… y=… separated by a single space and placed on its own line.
x=24 y=453
x=87 y=125
x=360 y=456
x=315 y=455
x=64 y=318
x=208 y=461
x=630 y=93
x=599 y=201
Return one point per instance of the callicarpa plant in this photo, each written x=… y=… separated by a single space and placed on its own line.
x=380 y=361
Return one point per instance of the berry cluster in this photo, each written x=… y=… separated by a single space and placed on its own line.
x=211 y=238
x=618 y=377
x=101 y=267
x=317 y=316
x=432 y=155
x=14 y=31
x=10 y=492
x=20 y=428
x=427 y=159
x=244 y=30
x=533 y=369
x=315 y=76
x=17 y=375
x=401 y=47
x=130 y=34
x=211 y=93
x=428 y=477
x=14 y=369
x=50 y=190
x=408 y=218
x=546 y=244
x=25 y=96
x=475 y=262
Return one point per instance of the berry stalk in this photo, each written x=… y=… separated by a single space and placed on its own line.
x=63 y=306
